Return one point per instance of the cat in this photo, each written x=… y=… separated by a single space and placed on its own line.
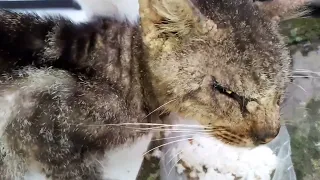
x=70 y=93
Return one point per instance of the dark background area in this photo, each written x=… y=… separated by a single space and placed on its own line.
x=39 y=4
x=315 y=10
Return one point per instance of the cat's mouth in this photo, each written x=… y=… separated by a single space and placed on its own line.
x=241 y=136
x=245 y=135
x=264 y=136
x=242 y=140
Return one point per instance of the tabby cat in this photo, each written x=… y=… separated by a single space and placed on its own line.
x=66 y=88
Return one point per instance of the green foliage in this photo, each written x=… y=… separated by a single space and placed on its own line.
x=301 y=29
x=305 y=144
x=150 y=169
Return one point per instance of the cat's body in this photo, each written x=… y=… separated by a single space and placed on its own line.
x=67 y=87
x=94 y=93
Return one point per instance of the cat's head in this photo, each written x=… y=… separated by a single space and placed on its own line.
x=220 y=62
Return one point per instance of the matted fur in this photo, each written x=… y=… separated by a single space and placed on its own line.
x=84 y=80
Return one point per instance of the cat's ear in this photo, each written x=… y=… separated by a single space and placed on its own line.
x=161 y=18
x=282 y=9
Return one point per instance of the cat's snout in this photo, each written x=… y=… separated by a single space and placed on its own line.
x=264 y=135
x=265 y=122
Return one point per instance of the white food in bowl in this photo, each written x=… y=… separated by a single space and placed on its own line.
x=199 y=156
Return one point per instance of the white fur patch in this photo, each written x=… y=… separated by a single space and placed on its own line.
x=35 y=176
x=123 y=163
x=7 y=103
x=119 y=9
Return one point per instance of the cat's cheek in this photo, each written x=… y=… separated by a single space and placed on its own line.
x=124 y=162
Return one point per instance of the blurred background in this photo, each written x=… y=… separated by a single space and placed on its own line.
x=68 y=8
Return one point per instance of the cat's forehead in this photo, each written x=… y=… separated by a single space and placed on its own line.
x=253 y=56
x=245 y=21
x=228 y=12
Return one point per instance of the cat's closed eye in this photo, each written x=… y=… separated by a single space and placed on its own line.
x=243 y=101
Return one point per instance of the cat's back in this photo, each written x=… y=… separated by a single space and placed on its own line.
x=65 y=115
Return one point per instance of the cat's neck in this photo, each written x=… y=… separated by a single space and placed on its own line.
x=125 y=63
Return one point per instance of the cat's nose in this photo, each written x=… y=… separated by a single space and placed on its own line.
x=264 y=135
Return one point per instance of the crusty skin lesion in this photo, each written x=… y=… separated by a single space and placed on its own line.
x=63 y=82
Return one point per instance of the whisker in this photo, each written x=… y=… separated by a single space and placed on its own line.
x=174 y=165
x=185 y=135
x=158 y=129
x=305 y=71
x=169 y=125
x=177 y=129
x=170 y=130
x=160 y=107
x=307 y=76
x=164 y=111
x=169 y=149
x=158 y=126
x=99 y=162
x=173 y=157
x=299 y=87
x=165 y=128
x=297 y=108
x=166 y=144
